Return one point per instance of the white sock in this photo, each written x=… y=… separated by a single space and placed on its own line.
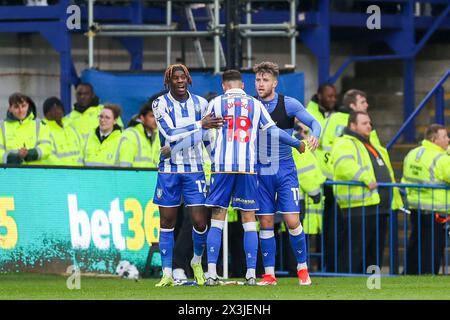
x=269 y=270
x=167 y=272
x=250 y=274
x=301 y=266
x=212 y=272
x=196 y=259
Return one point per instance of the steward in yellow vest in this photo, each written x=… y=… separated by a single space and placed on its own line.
x=356 y=159
x=321 y=107
x=310 y=179
x=102 y=145
x=428 y=164
x=365 y=208
x=67 y=143
x=84 y=116
x=23 y=139
x=139 y=146
x=354 y=100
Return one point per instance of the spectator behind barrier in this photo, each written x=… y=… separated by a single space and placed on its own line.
x=23 y=139
x=84 y=116
x=356 y=159
x=427 y=164
x=139 y=145
x=101 y=146
x=66 y=141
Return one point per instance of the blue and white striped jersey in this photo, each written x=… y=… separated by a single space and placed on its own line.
x=235 y=148
x=177 y=120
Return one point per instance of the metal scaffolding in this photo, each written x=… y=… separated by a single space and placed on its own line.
x=215 y=30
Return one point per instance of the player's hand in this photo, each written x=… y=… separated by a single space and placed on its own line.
x=166 y=151
x=211 y=122
x=372 y=185
x=313 y=143
x=23 y=152
x=301 y=147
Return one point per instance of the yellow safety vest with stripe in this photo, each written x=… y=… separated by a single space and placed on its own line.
x=102 y=154
x=351 y=162
x=135 y=149
x=335 y=126
x=88 y=120
x=310 y=179
x=322 y=153
x=67 y=145
x=29 y=133
x=427 y=164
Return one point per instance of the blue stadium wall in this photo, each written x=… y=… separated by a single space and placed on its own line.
x=130 y=91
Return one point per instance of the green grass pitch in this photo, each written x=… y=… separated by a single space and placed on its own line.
x=38 y=286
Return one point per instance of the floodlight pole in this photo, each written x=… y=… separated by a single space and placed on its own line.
x=169 y=39
x=90 y=35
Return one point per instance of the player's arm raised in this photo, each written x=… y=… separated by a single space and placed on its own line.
x=299 y=111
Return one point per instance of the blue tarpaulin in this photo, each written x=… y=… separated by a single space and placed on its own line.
x=130 y=90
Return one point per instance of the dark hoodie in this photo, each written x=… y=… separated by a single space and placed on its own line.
x=379 y=167
x=95 y=102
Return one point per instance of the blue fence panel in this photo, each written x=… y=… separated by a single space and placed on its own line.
x=361 y=234
x=131 y=90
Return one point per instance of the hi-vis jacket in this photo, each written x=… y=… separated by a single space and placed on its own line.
x=427 y=164
x=67 y=145
x=85 y=122
x=104 y=153
x=29 y=133
x=334 y=128
x=136 y=150
x=322 y=153
x=351 y=162
x=310 y=179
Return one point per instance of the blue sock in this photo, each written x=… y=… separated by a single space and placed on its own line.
x=166 y=242
x=268 y=247
x=213 y=243
x=298 y=243
x=199 y=240
x=250 y=244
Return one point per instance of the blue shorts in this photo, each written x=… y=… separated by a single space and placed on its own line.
x=239 y=187
x=279 y=192
x=171 y=186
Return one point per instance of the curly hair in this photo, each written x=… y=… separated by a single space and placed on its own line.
x=171 y=69
x=267 y=67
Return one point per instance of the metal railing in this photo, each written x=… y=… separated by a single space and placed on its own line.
x=438 y=89
x=417 y=238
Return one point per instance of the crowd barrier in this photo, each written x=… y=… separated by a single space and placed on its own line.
x=405 y=241
x=55 y=217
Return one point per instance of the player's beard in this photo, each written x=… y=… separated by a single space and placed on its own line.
x=265 y=94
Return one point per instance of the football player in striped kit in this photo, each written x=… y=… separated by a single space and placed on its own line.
x=278 y=189
x=180 y=114
x=233 y=176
